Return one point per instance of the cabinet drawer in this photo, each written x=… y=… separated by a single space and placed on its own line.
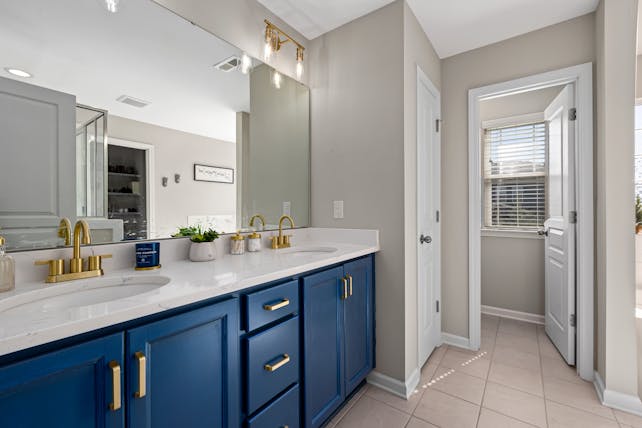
x=264 y=307
x=284 y=412
x=272 y=362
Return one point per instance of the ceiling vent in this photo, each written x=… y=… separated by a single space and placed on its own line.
x=230 y=64
x=134 y=102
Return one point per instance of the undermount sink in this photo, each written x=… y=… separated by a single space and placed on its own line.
x=85 y=293
x=307 y=251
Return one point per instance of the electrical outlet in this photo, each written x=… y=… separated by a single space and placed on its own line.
x=287 y=208
x=338 y=209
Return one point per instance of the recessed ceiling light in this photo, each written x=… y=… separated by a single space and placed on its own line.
x=18 y=72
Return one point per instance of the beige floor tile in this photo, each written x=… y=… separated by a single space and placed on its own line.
x=370 y=413
x=519 y=328
x=487 y=344
x=521 y=343
x=457 y=384
x=516 y=404
x=579 y=395
x=557 y=368
x=346 y=408
x=560 y=416
x=474 y=365
x=406 y=406
x=514 y=377
x=547 y=349
x=418 y=423
x=628 y=419
x=446 y=411
x=516 y=358
x=427 y=372
x=491 y=419
x=437 y=354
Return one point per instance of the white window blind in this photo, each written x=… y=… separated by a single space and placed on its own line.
x=515 y=176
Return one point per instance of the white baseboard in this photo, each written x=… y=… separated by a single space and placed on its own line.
x=454 y=340
x=394 y=386
x=617 y=400
x=515 y=315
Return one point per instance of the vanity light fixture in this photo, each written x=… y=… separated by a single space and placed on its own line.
x=275 y=38
x=111 y=5
x=246 y=63
x=18 y=72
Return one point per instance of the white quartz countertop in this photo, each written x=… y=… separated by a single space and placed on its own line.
x=189 y=282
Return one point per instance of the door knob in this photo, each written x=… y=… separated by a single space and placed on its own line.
x=425 y=239
x=542 y=232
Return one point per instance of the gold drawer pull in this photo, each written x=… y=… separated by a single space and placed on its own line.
x=282 y=304
x=350 y=282
x=142 y=375
x=275 y=367
x=344 y=292
x=115 y=386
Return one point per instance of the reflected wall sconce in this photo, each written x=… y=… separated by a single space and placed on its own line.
x=177 y=178
x=275 y=38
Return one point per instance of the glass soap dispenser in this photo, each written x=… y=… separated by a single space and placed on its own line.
x=7 y=269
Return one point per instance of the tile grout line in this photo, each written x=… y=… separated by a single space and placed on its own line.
x=541 y=368
x=492 y=354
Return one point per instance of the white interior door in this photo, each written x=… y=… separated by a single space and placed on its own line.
x=428 y=201
x=559 y=227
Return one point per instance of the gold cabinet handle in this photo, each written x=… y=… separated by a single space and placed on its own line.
x=344 y=292
x=282 y=304
x=350 y=283
x=115 y=386
x=142 y=374
x=275 y=367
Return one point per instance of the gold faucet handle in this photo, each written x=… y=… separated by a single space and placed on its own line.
x=275 y=242
x=56 y=267
x=96 y=262
x=286 y=240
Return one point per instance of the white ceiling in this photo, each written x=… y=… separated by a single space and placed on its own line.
x=453 y=26
x=144 y=51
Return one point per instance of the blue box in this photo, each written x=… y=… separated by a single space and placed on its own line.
x=148 y=256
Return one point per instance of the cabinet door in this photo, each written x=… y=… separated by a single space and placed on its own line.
x=323 y=345
x=358 y=323
x=70 y=388
x=190 y=372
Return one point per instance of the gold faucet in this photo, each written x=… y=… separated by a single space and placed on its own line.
x=64 y=230
x=76 y=263
x=260 y=217
x=282 y=241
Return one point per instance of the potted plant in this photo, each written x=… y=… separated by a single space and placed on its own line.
x=638 y=214
x=202 y=248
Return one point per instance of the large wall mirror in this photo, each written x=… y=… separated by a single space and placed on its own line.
x=140 y=122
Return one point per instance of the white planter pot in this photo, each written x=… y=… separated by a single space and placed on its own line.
x=202 y=251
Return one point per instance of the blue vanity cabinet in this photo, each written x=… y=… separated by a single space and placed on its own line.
x=338 y=330
x=76 y=387
x=184 y=370
x=358 y=328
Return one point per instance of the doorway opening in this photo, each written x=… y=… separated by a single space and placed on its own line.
x=531 y=207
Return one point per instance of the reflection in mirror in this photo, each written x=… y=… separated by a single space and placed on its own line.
x=140 y=122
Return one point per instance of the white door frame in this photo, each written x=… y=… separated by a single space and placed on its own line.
x=151 y=183
x=423 y=80
x=582 y=77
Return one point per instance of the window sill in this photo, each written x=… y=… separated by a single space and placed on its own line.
x=520 y=234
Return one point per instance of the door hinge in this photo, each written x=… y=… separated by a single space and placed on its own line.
x=437 y=216
x=572 y=320
x=572 y=217
x=437 y=125
x=437 y=305
x=572 y=114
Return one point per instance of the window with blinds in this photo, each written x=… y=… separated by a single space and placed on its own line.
x=515 y=176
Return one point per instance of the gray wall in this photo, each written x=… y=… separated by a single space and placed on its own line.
x=177 y=152
x=561 y=45
x=512 y=268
